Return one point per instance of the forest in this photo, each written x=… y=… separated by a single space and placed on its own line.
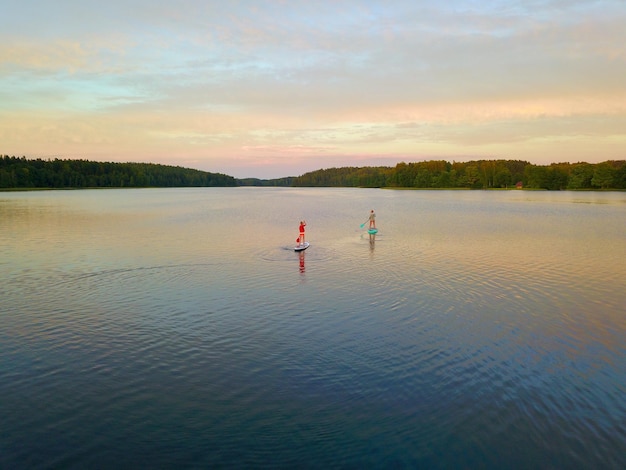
x=479 y=174
x=21 y=173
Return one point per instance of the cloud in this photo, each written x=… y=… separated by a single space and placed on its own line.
x=214 y=80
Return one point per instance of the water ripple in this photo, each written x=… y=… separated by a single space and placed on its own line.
x=443 y=346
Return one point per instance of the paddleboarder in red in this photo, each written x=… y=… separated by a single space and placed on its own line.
x=302 y=225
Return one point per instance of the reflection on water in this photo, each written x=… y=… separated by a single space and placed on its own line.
x=301 y=255
x=168 y=328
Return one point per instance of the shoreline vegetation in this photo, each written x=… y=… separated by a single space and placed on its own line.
x=20 y=173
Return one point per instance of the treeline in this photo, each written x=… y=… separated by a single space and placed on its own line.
x=479 y=174
x=23 y=173
x=286 y=181
x=364 y=177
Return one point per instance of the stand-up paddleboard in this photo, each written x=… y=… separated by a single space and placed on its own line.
x=372 y=231
x=302 y=247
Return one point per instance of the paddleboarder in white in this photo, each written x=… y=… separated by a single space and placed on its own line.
x=372 y=219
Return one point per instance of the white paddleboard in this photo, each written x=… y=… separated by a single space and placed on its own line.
x=302 y=247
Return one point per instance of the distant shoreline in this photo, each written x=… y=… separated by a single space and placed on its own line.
x=389 y=188
x=24 y=174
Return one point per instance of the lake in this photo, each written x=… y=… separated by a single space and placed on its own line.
x=177 y=328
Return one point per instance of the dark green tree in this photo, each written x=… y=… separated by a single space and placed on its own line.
x=603 y=175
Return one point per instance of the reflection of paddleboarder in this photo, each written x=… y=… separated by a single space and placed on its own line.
x=301 y=262
x=372 y=219
x=302 y=225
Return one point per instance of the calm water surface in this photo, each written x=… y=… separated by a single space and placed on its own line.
x=177 y=328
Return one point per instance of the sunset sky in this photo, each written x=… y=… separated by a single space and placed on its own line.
x=278 y=88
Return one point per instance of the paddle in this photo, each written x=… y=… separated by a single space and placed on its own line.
x=363 y=224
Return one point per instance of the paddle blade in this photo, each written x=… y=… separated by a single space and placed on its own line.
x=363 y=225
